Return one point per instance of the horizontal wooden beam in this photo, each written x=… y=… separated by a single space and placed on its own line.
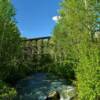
x=38 y=38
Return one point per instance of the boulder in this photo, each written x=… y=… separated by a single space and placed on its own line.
x=53 y=96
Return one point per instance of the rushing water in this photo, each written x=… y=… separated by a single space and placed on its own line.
x=39 y=85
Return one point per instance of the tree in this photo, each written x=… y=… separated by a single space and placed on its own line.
x=75 y=33
x=9 y=40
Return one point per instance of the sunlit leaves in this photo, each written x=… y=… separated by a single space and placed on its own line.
x=75 y=33
x=9 y=39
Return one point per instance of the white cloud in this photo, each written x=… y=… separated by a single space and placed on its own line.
x=55 y=18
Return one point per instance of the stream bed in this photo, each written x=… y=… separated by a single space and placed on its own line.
x=39 y=85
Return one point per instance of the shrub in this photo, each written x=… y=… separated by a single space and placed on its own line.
x=6 y=92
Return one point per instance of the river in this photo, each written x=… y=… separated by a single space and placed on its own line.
x=39 y=85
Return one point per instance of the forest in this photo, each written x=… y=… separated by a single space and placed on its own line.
x=73 y=52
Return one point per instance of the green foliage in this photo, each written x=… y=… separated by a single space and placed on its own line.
x=6 y=92
x=88 y=74
x=74 y=36
x=9 y=41
x=73 y=53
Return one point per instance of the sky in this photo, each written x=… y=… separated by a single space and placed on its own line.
x=35 y=18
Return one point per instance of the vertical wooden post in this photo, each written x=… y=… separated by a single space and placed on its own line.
x=42 y=47
x=36 y=52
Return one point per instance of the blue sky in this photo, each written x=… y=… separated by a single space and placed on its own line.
x=34 y=17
